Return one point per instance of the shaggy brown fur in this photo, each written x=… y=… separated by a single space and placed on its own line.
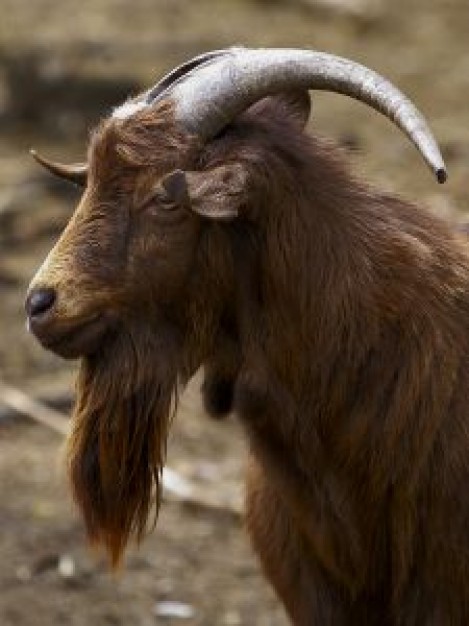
x=333 y=319
x=118 y=444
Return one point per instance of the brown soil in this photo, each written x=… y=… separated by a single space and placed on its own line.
x=62 y=66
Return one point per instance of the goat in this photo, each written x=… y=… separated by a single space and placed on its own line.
x=332 y=318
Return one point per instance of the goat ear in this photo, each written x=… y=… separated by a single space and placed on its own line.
x=293 y=106
x=219 y=193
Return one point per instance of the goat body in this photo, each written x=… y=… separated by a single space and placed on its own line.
x=351 y=382
x=331 y=318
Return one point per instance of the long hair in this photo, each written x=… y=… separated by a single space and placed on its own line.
x=116 y=451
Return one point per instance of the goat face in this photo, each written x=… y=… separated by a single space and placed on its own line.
x=131 y=242
x=114 y=290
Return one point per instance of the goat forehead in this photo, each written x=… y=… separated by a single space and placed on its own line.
x=120 y=163
x=149 y=137
x=110 y=176
x=103 y=153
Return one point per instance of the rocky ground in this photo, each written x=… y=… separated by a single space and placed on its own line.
x=62 y=67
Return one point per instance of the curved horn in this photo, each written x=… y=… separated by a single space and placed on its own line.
x=211 y=96
x=155 y=93
x=76 y=173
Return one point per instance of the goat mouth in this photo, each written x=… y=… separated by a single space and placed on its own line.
x=80 y=340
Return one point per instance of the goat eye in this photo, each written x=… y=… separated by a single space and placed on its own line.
x=165 y=202
x=160 y=202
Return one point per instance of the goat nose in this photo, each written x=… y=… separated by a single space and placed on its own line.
x=39 y=301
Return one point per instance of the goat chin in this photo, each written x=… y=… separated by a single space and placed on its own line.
x=116 y=451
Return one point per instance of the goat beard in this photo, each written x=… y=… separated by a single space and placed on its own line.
x=117 y=447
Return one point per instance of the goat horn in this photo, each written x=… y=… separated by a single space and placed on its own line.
x=76 y=173
x=161 y=88
x=157 y=91
x=210 y=97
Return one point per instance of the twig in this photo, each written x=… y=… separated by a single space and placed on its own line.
x=24 y=404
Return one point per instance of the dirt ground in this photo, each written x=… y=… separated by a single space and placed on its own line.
x=62 y=66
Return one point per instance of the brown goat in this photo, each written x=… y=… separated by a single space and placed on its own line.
x=331 y=318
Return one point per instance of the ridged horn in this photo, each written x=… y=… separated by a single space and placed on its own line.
x=209 y=97
x=155 y=93
x=76 y=173
x=159 y=90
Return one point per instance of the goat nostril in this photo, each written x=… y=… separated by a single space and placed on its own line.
x=39 y=301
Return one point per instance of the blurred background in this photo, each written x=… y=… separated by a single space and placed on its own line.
x=63 y=66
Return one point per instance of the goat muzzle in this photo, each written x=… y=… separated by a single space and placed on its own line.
x=72 y=339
